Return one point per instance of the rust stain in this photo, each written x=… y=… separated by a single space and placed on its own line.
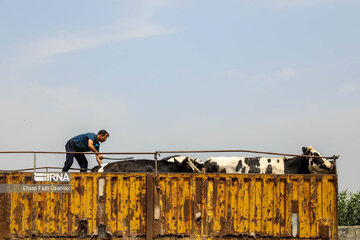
x=226 y=227
x=187 y=210
x=294 y=206
x=324 y=231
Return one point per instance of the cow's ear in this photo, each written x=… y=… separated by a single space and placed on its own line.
x=304 y=149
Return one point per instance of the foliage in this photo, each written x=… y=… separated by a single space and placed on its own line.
x=349 y=208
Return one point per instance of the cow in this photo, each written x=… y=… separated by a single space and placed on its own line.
x=187 y=162
x=263 y=165
x=144 y=165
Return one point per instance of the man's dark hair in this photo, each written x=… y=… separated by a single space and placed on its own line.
x=103 y=133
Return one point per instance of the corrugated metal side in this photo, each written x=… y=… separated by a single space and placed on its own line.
x=122 y=209
x=183 y=205
x=218 y=205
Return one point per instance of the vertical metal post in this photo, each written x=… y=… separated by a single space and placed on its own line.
x=155 y=158
x=149 y=206
x=34 y=162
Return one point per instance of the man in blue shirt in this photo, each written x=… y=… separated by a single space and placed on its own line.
x=84 y=143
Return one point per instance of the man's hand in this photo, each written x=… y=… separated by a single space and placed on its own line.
x=99 y=156
x=98 y=159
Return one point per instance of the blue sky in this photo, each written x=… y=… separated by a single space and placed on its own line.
x=270 y=75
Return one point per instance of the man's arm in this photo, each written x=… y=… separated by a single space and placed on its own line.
x=99 y=157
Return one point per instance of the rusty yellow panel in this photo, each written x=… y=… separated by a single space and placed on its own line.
x=51 y=213
x=88 y=201
x=45 y=219
x=187 y=204
x=326 y=202
x=204 y=225
x=334 y=209
x=227 y=224
x=43 y=214
x=83 y=206
x=329 y=203
x=143 y=206
x=74 y=206
x=220 y=200
x=268 y=211
x=121 y=199
x=138 y=210
x=264 y=206
x=21 y=210
x=58 y=213
x=277 y=206
x=315 y=210
x=247 y=187
x=210 y=203
x=287 y=203
x=65 y=210
x=26 y=214
x=58 y=218
x=258 y=202
x=240 y=205
x=162 y=202
x=252 y=205
x=113 y=204
x=135 y=206
x=172 y=204
x=126 y=206
x=184 y=226
x=175 y=203
x=15 y=205
x=294 y=222
x=192 y=204
x=181 y=203
x=238 y=225
x=216 y=202
x=197 y=185
x=36 y=223
x=282 y=211
x=95 y=201
x=233 y=194
x=134 y=214
x=263 y=197
x=304 y=208
x=108 y=200
x=167 y=207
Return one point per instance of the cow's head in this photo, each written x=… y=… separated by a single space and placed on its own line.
x=186 y=163
x=317 y=165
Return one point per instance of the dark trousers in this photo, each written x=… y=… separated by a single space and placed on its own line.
x=80 y=158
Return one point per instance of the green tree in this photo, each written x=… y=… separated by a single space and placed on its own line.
x=349 y=208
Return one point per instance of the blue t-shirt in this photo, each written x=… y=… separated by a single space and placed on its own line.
x=81 y=142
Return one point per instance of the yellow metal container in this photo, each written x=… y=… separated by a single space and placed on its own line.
x=186 y=206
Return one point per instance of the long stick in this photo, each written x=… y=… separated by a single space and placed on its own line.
x=129 y=158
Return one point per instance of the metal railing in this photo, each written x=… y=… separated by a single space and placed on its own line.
x=156 y=154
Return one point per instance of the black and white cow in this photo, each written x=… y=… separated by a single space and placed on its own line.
x=186 y=162
x=263 y=165
x=144 y=165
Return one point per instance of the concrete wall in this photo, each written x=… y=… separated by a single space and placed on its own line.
x=349 y=233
